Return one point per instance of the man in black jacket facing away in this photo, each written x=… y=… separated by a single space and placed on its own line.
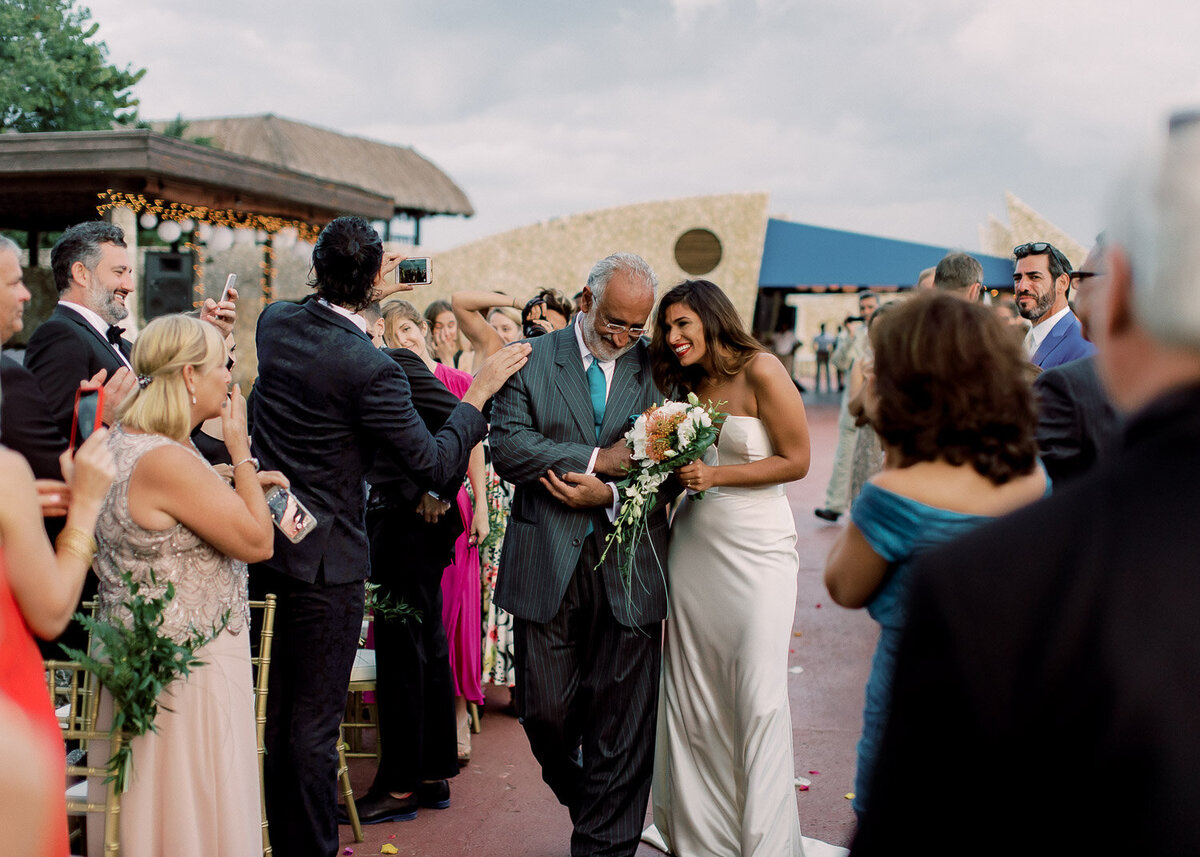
x=326 y=403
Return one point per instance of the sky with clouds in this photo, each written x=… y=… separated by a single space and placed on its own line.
x=905 y=119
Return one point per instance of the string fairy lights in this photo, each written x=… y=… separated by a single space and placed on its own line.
x=214 y=227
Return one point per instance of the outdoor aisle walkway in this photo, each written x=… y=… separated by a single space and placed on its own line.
x=501 y=808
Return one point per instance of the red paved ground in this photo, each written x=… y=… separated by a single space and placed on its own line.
x=501 y=808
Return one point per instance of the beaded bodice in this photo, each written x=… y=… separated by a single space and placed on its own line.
x=207 y=583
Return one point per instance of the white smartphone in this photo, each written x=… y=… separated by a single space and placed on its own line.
x=414 y=271
x=290 y=515
x=230 y=282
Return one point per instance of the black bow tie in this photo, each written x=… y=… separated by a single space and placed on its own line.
x=114 y=334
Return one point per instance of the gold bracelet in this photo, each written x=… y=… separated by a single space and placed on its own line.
x=75 y=541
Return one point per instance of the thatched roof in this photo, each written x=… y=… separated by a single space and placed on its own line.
x=52 y=179
x=417 y=186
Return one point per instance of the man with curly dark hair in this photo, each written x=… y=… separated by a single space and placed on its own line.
x=327 y=403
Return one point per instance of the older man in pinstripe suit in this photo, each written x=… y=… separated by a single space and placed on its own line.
x=587 y=649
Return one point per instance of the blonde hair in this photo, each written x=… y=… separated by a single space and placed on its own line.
x=506 y=311
x=161 y=405
x=399 y=309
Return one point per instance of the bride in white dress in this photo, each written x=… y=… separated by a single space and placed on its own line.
x=724 y=778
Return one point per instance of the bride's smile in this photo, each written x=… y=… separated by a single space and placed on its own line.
x=685 y=334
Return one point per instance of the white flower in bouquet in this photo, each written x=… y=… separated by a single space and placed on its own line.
x=662 y=439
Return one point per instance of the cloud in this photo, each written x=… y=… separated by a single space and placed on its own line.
x=911 y=120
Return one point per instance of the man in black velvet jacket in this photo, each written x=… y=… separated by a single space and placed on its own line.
x=326 y=403
x=1047 y=681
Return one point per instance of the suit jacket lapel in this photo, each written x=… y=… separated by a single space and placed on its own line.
x=571 y=383
x=1053 y=339
x=75 y=318
x=624 y=399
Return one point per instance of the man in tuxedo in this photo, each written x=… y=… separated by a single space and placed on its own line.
x=1077 y=424
x=25 y=424
x=587 y=646
x=1041 y=279
x=326 y=404
x=1047 y=677
x=82 y=340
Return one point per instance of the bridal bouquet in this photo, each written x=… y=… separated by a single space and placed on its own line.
x=663 y=438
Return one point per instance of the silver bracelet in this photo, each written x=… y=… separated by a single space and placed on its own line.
x=250 y=460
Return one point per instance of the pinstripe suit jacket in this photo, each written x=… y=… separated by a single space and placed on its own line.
x=542 y=419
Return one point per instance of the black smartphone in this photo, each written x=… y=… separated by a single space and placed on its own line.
x=89 y=405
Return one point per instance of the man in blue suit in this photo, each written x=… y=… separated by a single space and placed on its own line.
x=1041 y=281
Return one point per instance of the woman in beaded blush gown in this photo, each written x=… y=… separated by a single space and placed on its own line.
x=194 y=787
x=724 y=778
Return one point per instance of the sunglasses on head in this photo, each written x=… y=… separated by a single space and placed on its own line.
x=1037 y=248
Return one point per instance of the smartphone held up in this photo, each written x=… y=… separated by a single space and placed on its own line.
x=89 y=405
x=414 y=271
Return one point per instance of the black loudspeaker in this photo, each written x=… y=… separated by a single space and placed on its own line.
x=167 y=285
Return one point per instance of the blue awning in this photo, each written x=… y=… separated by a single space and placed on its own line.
x=797 y=255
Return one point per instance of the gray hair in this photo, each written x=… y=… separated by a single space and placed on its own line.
x=7 y=244
x=81 y=243
x=1155 y=219
x=630 y=264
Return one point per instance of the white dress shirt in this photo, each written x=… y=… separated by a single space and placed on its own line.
x=1038 y=333
x=359 y=321
x=609 y=368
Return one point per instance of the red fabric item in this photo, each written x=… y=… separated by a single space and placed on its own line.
x=23 y=682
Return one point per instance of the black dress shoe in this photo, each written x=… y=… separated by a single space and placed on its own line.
x=434 y=795
x=377 y=808
x=827 y=514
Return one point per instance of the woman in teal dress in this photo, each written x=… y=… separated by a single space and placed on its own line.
x=950 y=398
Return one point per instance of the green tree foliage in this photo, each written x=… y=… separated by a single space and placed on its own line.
x=54 y=75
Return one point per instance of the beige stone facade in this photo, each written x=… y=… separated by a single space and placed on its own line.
x=559 y=253
x=1025 y=225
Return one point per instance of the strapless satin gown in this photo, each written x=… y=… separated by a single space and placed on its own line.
x=724 y=775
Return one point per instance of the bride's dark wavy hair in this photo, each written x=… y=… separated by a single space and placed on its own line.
x=726 y=342
x=952 y=383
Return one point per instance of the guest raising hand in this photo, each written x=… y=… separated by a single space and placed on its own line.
x=170 y=519
x=39 y=589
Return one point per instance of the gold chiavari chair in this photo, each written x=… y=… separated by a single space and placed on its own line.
x=261 y=665
x=76 y=695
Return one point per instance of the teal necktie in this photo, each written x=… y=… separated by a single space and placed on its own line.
x=597 y=387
